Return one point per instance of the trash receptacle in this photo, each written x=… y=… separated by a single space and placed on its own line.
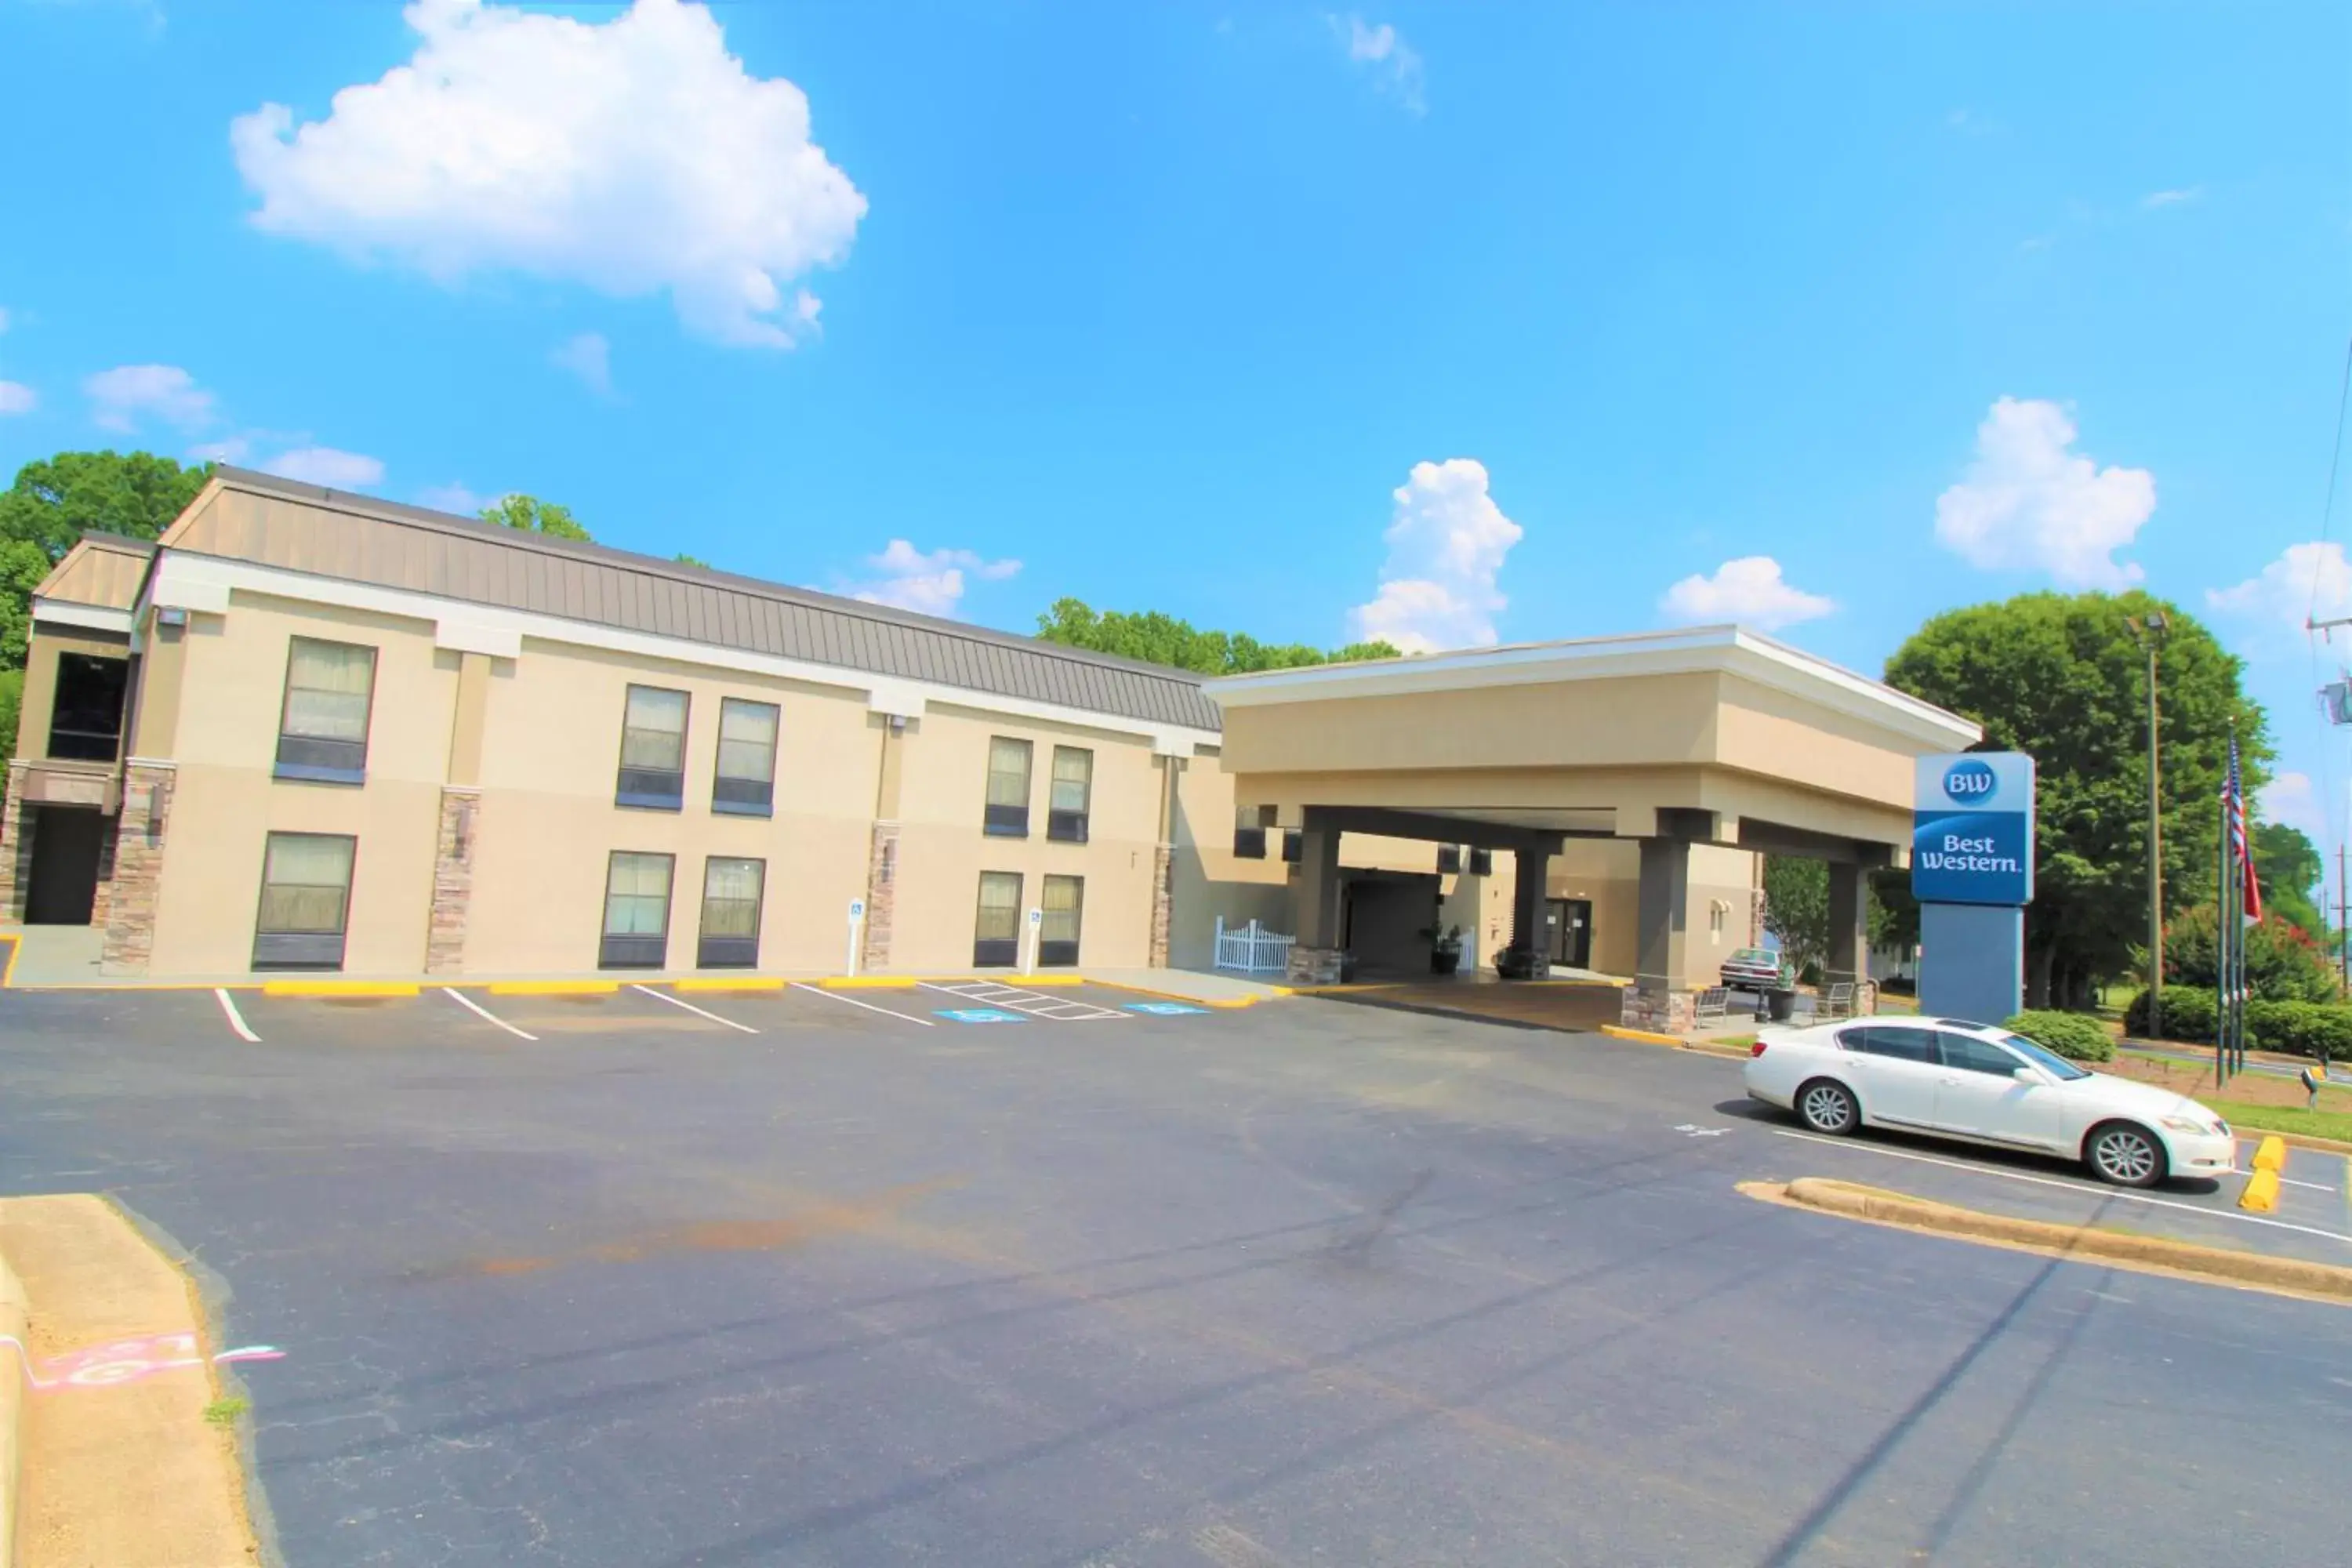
x=1784 y=1006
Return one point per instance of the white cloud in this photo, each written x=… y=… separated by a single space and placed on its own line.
x=453 y=498
x=2310 y=581
x=1750 y=590
x=2186 y=194
x=2029 y=503
x=326 y=467
x=634 y=156
x=1382 y=51
x=589 y=357
x=1446 y=542
x=122 y=396
x=2289 y=798
x=930 y=581
x=16 y=398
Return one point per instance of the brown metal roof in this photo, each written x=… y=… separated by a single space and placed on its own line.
x=103 y=570
x=271 y=521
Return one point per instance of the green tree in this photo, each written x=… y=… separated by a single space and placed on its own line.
x=1797 y=908
x=12 y=698
x=529 y=514
x=2288 y=866
x=2061 y=677
x=1157 y=638
x=56 y=501
x=685 y=560
x=2283 y=964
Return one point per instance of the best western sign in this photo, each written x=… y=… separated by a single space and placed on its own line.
x=1973 y=830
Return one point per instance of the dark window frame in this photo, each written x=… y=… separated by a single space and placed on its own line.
x=83 y=741
x=634 y=950
x=1482 y=862
x=1449 y=859
x=730 y=952
x=735 y=795
x=1249 y=843
x=642 y=789
x=1062 y=824
x=1293 y=846
x=1008 y=820
x=316 y=758
x=997 y=952
x=303 y=949
x=1058 y=953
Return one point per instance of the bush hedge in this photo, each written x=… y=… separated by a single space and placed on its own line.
x=2074 y=1036
x=2299 y=1028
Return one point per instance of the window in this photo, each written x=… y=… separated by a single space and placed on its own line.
x=637 y=911
x=1715 y=910
x=731 y=913
x=1065 y=802
x=996 y=934
x=1969 y=1055
x=322 y=733
x=1293 y=846
x=1482 y=862
x=2048 y=1061
x=1249 y=837
x=1882 y=1040
x=306 y=896
x=1064 y=905
x=653 y=750
x=746 y=780
x=1008 y=788
x=1449 y=858
x=86 y=717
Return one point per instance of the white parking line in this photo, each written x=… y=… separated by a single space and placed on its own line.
x=235 y=1019
x=674 y=1002
x=886 y=1012
x=467 y=1003
x=2291 y=1182
x=1057 y=1009
x=2084 y=1187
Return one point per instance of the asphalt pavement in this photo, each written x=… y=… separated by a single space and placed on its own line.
x=898 y=1277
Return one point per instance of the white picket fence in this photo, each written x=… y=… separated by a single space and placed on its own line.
x=1251 y=949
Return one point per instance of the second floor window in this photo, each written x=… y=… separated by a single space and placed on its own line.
x=1008 y=788
x=86 y=717
x=746 y=781
x=322 y=733
x=653 y=750
x=1073 y=783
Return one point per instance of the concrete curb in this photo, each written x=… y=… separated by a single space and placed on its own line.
x=2296 y=1140
x=1619 y=1032
x=14 y=1378
x=2253 y=1271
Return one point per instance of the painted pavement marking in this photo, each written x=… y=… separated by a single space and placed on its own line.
x=1059 y=1009
x=674 y=1002
x=981 y=1016
x=473 y=1006
x=886 y=1012
x=1164 y=1009
x=235 y=1019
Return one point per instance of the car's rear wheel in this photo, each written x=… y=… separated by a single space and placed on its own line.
x=1829 y=1108
x=2124 y=1154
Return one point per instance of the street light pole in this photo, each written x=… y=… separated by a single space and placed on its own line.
x=2150 y=633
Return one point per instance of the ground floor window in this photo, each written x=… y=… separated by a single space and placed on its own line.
x=306 y=899
x=1058 y=940
x=731 y=913
x=997 y=933
x=637 y=911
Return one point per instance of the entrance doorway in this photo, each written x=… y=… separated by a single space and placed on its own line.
x=63 y=885
x=1569 y=922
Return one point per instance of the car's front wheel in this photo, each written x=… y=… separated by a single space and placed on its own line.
x=1829 y=1108
x=2125 y=1155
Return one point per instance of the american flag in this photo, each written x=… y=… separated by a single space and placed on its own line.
x=2233 y=807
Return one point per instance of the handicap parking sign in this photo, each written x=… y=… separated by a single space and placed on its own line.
x=979 y=1016
x=1164 y=1008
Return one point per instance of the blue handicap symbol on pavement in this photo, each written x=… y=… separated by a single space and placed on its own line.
x=1164 y=1008
x=979 y=1016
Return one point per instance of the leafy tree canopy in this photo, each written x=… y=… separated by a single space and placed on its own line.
x=58 y=500
x=529 y=514
x=11 y=698
x=1157 y=638
x=2288 y=866
x=2063 y=678
x=2283 y=964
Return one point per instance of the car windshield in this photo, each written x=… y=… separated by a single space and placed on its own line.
x=2048 y=1060
x=1761 y=956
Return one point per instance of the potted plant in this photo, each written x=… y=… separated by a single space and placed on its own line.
x=1444 y=949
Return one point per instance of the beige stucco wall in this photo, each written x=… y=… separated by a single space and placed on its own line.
x=1208 y=878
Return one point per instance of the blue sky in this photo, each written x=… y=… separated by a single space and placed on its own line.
x=1446 y=323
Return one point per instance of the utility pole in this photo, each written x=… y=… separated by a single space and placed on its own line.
x=2150 y=632
x=2343 y=926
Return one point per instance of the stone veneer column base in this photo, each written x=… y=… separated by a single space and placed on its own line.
x=15 y=850
x=1660 y=1012
x=137 y=867
x=1164 y=895
x=881 y=896
x=453 y=881
x=1316 y=965
x=101 y=903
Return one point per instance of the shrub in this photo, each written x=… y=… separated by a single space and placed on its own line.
x=2302 y=1028
x=2188 y=1014
x=2282 y=962
x=2074 y=1036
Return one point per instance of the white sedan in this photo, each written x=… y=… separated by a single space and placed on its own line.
x=1952 y=1079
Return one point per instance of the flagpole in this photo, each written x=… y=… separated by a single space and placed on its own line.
x=2222 y=949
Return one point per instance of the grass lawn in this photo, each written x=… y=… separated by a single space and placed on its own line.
x=2244 y=1118
x=2253 y=1101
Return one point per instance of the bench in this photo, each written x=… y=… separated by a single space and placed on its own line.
x=1708 y=1007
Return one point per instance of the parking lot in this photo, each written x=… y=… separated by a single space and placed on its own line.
x=1060 y=1276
